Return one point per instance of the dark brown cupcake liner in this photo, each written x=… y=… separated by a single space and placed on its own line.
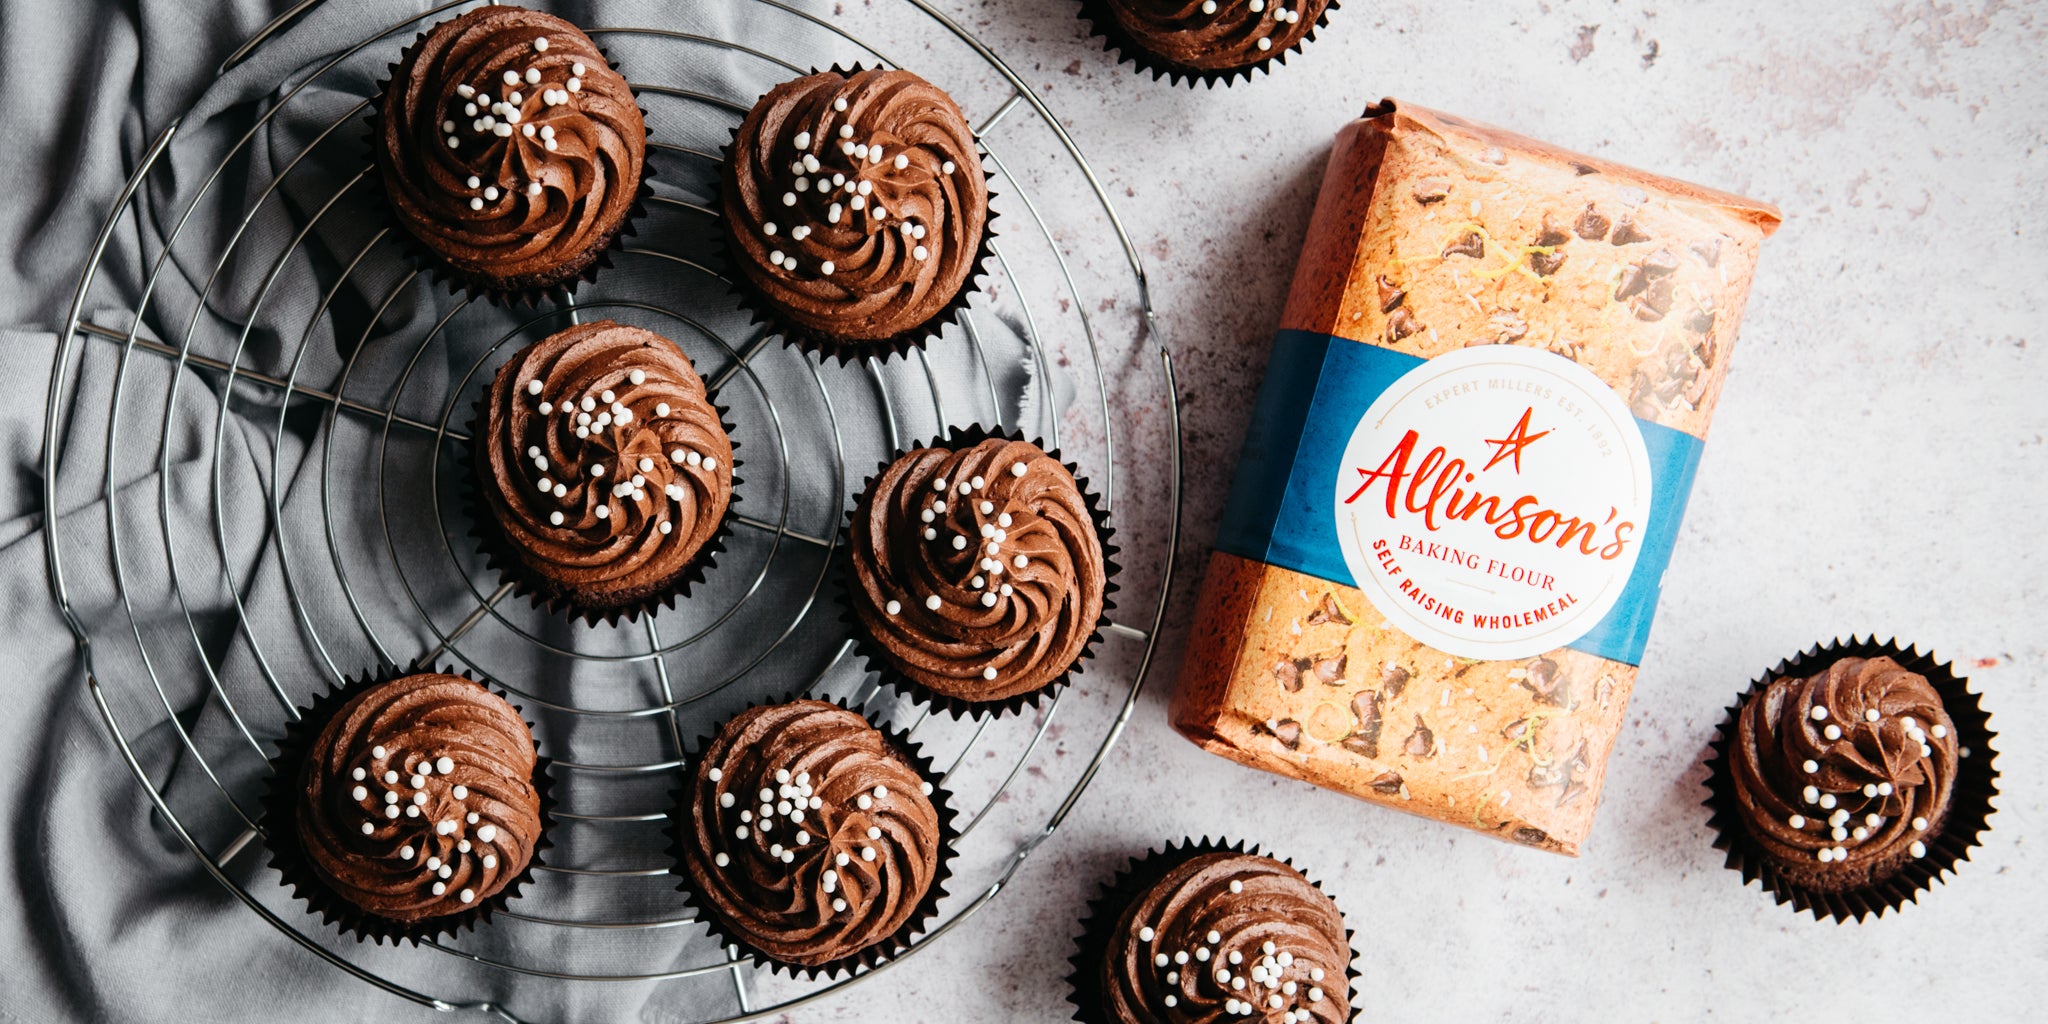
x=279 y=818
x=877 y=657
x=542 y=593
x=1104 y=26
x=1099 y=921
x=675 y=828
x=1975 y=784
x=761 y=309
x=423 y=258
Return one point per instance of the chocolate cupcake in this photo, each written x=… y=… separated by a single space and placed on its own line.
x=979 y=572
x=856 y=211
x=1207 y=41
x=1202 y=932
x=1850 y=778
x=407 y=807
x=510 y=151
x=603 y=472
x=810 y=838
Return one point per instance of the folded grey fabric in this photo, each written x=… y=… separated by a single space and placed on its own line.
x=227 y=548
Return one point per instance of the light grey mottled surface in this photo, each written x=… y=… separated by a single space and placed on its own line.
x=1875 y=465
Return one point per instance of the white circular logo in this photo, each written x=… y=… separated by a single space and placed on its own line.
x=1492 y=501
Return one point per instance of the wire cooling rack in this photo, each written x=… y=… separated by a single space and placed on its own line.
x=199 y=632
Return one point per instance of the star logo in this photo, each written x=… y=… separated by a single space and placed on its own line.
x=1510 y=447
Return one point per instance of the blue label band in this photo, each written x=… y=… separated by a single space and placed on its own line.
x=1316 y=387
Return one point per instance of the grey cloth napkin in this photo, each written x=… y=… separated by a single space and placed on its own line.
x=225 y=547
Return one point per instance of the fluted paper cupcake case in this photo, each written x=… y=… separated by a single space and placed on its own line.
x=761 y=309
x=1119 y=43
x=279 y=822
x=422 y=257
x=678 y=823
x=500 y=558
x=877 y=657
x=1969 y=808
x=1099 y=920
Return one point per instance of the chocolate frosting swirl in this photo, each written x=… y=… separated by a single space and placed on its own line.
x=978 y=573
x=856 y=203
x=510 y=148
x=1181 y=32
x=419 y=798
x=1844 y=777
x=1243 y=937
x=603 y=463
x=808 y=834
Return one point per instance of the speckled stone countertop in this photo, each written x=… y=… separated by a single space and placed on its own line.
x=1873 y=468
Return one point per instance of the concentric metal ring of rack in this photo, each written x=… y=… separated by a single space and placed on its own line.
x=246 y=686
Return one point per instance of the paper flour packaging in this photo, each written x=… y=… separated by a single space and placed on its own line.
x=1471 y=452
